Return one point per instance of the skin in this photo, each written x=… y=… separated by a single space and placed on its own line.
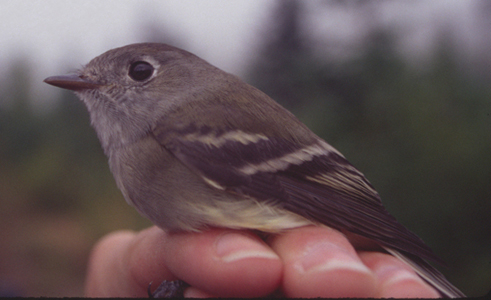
x=308 y=261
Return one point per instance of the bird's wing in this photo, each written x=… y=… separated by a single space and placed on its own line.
x=306 y=176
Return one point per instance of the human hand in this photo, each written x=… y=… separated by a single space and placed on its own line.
x=303 y=262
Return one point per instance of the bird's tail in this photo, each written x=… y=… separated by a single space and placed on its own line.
x=429 y=274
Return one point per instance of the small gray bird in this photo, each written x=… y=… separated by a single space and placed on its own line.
x=192 y=146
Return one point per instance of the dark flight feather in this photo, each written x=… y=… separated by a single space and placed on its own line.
x=296 y=171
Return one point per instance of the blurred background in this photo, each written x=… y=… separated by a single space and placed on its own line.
x=401 y=88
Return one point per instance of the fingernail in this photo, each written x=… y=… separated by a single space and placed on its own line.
x=231 y=247
x=403 y=275
x=399 y=282
x=326 y=256
x=394 y=274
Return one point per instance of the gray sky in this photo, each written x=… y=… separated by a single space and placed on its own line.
x=61 y=35
x=53 y=30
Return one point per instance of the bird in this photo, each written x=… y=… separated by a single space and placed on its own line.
x=191 y=146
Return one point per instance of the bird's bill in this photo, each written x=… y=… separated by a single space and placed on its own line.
x=71 y=82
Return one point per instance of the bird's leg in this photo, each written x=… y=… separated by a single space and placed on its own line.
x=168 y=289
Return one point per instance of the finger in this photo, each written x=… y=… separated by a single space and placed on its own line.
x=123 y=264
x=224 y=262
x=320 y=262
x=396 y=279
x=192 y=292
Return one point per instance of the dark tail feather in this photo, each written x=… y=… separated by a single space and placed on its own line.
x=429 y=274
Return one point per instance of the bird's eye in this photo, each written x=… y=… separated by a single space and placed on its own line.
x=140 y=70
